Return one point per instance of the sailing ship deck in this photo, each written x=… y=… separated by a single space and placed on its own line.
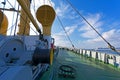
x=85 y=68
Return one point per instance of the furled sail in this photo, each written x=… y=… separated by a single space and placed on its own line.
x=3 y=23
x=24 y=27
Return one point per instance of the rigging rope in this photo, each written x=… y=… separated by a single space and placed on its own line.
x=13 y=14
x=12 y=18
x=63 y=27
x=15 y=24
x=34 y=13
x=11 y=28
x=28 y=22
x=16 y=21
x=110 y=46
x=30 y=26
x=10 y=4
x=4 y=3
x=10 y=9
x=34 y=30
x=34 y=5
x=65 y=31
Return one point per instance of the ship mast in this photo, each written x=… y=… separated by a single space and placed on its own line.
x=24 y=27
x=29 y=14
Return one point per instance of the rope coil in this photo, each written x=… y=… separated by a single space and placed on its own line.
x=66 y=71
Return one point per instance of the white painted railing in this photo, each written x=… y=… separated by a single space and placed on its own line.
x=108 y=58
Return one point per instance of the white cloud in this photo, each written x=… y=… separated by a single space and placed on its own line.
x=65 y=11
x=62 y=9
x=88 y=32
x=70 y=30
x=61 y=39
x=112 y=36
x=89 y=44
x=93 y=40
x=109 y=34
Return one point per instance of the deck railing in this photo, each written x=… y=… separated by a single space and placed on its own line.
x=107 y=58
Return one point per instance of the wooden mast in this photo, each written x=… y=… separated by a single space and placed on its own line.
x=29 y=14
x=24 y=27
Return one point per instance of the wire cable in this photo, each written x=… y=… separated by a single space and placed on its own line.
x=16 y=21
x=109 y=45
x=34 y=31
x=65 y=31
x=12 y=19
x=34 y=3
x=10 y=4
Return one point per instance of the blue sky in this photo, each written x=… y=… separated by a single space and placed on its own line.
x=102 y=14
